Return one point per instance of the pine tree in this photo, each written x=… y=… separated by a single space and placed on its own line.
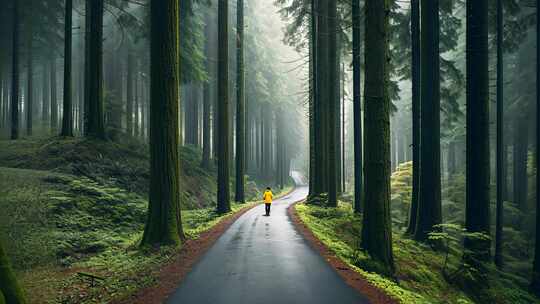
x=240 y=105
x=415 y=83
x=477 y=200
x=376 y=228
x=357 y=104
x=535 y=281
x=429 y=206
x=95 y=126
x=15 y=73
x=164 y=224
x=67 y=119
x=223 y=193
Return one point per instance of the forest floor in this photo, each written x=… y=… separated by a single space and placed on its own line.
x=419 y=276
x=73 y=208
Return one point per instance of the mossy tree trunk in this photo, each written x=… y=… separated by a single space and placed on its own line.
x=9 y=287
x=477 y=102
x=240 y=105
x=223 y=193
x=164 y=224
x=15 y=73
x=357 y=106
x=95 y=115
x=376 y=228
x=429 y=205
x=67 y=118
x=415 y=90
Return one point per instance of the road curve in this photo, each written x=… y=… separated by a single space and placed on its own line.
x=261 y=260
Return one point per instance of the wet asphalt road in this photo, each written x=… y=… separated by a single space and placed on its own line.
x=261 y=260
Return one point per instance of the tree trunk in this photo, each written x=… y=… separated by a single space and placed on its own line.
x=15 y=73
x=500 y=136
x=67 y=119
x=240 y=105
x=535 y=281
x=223 y=193
x=357 y=106
x=29 y=87
x=54 y=99
x=429 y=206
x=415 y=82
x=333 y=91
x=95 y=120
x=45 y=96
x=477 y=201
x=164 y=224
x=376 y=229
x=129 y=93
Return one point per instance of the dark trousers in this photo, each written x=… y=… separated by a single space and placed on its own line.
x=267 y=208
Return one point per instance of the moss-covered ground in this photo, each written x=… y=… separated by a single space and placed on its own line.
x=75 y=206
x=420 y=276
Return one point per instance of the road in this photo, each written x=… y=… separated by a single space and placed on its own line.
x=261 y=260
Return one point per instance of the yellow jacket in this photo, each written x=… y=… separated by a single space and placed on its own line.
x=267 y=197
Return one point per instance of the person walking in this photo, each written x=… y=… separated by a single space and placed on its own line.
x=267 y=198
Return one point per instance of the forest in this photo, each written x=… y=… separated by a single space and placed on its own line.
x=284 y=151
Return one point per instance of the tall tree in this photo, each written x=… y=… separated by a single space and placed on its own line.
x=376 y=228
x=15 y=73
x=357 y=105
x=29 y=98
x=535 y=281
x=54 y=99
x=164 y=224
x=429 y=207
x=95 y=126
x=67 y=118
x=500 y=138
x=223 y=193
x=332 y=104
x=9 y=287
x=477 y=103
x=415 y=101
x=207 y=98
x=240 y=105
x=130 y=91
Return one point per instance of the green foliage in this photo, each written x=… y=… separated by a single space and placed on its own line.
x=423 y=275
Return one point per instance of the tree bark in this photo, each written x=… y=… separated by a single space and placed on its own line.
x=95 y=118
x=376 y=228
x=477 y=200
x=415 y=82
x=164 y=224
x=357 y=106
x=29 y=86
x=67 y=118
x=240 y=105
x=429 y=207
x=333 y=90
x=223 y=193
x=535 y=281
x=15 y=73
